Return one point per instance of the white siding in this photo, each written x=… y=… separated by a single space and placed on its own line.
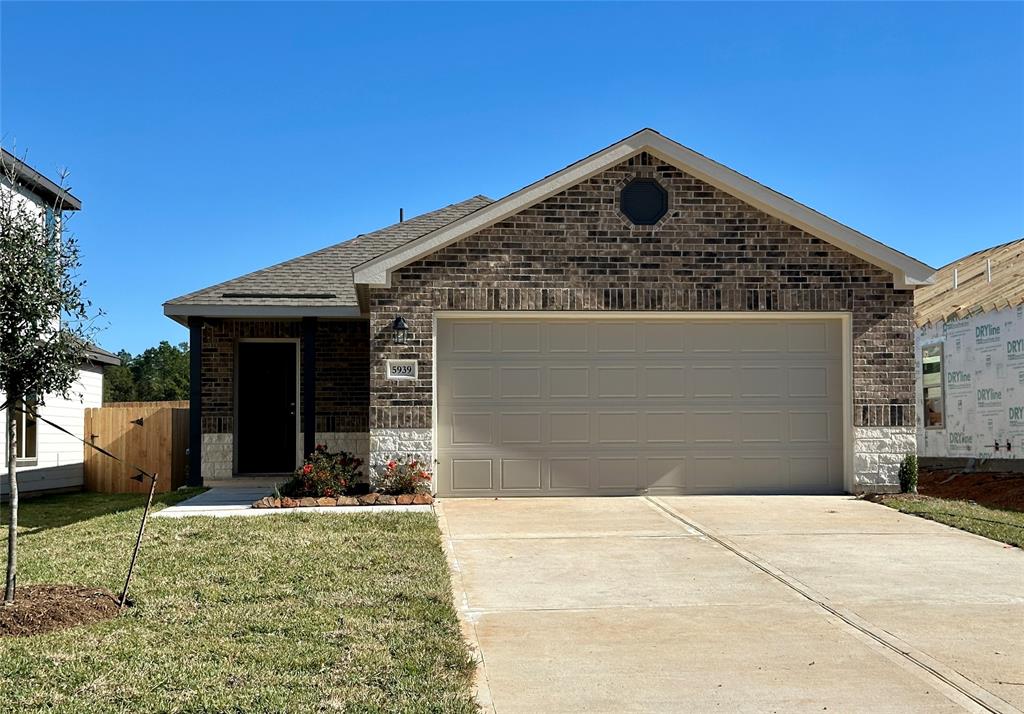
x=59 y=463
x=983 y=379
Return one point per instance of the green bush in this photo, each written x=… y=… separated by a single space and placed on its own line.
x=908 y=474
x=402 y=475
x=324 y=474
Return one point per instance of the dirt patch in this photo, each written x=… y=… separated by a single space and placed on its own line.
x=995 y=490
x=43 y=608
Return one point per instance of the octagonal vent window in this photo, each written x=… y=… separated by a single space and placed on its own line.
x=644 y=201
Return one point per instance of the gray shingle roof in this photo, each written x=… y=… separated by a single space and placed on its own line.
x=288 y=284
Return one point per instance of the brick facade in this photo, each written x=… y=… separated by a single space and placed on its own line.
x=342 y=385
x=711 y=252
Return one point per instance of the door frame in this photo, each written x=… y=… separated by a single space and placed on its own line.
x=845 y=328
x=234 y=396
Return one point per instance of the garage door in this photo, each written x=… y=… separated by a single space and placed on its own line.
x=557 y=407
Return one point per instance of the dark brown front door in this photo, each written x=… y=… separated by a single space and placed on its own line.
x=266 y=407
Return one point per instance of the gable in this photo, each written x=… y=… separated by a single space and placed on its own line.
x=907 y=273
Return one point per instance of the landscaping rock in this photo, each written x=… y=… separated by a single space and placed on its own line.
x=386 y=501
x=405 y=499
x=262 y=503
x=348 y=501
x=275 y=503
x=369 y=499
x=326 y=501
x=307 y=502
x=288 y=502
x=422 y=499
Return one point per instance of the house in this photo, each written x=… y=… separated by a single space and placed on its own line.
x=970 y=359
x=49 y=460
x=645 y=320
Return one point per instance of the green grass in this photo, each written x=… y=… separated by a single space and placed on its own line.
x=297 y=612
x=1005 y=526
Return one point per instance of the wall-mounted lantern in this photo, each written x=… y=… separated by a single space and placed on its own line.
x=400 y=330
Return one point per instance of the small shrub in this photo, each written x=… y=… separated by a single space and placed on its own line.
x=324 y=474
x=908 y=474
x=403 y=475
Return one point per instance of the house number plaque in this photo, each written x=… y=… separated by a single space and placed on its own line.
x=402 y=369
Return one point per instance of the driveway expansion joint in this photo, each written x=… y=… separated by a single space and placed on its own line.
x=924 y=664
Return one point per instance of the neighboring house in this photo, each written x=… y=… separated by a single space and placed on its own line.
x=643 y=321
x=49 y=460
x=970 y=357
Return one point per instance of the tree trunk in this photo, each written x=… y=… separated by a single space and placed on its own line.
x=12 y=477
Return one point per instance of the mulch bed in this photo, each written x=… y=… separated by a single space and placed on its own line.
x=369 y=499
x=44 y=608
x=995 y=490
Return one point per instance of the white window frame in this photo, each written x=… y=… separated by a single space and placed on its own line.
x=21 y=421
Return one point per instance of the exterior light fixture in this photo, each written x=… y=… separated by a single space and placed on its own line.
x=400 y=330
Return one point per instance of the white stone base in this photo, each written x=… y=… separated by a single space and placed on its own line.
x=218 y=456
x=356 y=443
x=877 y=453
x=386 y=444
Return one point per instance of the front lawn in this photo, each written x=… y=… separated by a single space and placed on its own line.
x=994 y=523
x=292 y=612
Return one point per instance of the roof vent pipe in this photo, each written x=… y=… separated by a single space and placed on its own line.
x=401 y=215
x=956 y=278
x=988 y=269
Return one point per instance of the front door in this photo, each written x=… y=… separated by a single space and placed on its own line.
x=266 y=426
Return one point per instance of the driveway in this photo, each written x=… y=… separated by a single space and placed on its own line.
x=753 y=604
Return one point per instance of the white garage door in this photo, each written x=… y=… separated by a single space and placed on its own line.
x=529 y=406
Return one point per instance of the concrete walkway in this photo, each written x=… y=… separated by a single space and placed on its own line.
x=737 y=604
x=221 y=502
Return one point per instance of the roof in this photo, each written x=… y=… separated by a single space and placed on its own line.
x=285 y=289
x=43 y=187
x=990 y=279
x=907 y=272
x=98 y=355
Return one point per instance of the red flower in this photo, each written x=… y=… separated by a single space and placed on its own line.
x=307 y=469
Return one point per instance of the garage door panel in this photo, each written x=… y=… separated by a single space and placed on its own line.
x=665 y=382
x=665 y=473
x=520 y=427
x=470 y=429
x=548 y=406
x=567 y=337
x=471 y=474
x=617 y=382
x=618 y=427
x=570 y=473
x=713 y=381
x=521 y=474
x=520 y=382
x=617 y=473
x=665 y=427
x=569 y=382
x=569 y=427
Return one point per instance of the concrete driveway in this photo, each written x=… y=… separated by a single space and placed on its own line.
x=733 y=604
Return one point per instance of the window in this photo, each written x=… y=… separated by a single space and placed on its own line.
x=931 y=379
x=644 y=201
x=26 y=431
x=50 y=222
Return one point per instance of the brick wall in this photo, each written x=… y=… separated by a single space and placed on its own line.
x=711 y=252
x=342 y=388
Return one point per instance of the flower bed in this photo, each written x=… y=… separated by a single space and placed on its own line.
x=369 y=499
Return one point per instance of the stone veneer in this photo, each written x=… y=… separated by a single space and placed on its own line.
x=388 y=443
x=877 y=453
x=711 y=252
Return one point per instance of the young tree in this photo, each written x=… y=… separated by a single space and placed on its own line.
x=45 y=322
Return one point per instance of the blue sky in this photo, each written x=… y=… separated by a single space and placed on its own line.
x=208 y=140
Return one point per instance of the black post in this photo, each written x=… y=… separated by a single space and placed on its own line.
x=308 y=385
x=195 y=398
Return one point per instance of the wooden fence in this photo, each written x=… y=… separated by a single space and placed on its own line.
x=151 y=435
